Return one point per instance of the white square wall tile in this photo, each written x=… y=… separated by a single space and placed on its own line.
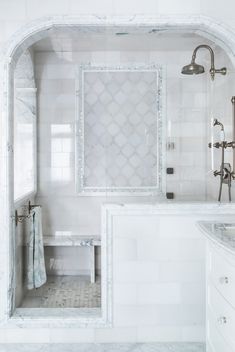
x=125 y=316
x=124 y=249
x=27 y=335
x=193 y=293
x=136 y=272
x=135 y=226
x=179 y=6
x=122 y=7
x=159 y=333
x=182 y=272
x=40 y=72
x=35 y=9
x=125 y=294
x=13 y=10
x=165 y=314
x=109 y=57
x=121 y=334
x=91 y=7
x=193 y=333
x=2 y=331
x=71 y=335
x=171 y=250
x=168 y=293
x=178 y=227
x=61 y=71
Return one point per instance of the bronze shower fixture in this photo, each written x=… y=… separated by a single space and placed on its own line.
x=194 y=68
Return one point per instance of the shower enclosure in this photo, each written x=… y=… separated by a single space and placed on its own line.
x=102 y=114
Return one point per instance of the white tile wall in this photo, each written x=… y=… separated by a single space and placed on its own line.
x=55 y=74
x=187 y=114
x=161 y=287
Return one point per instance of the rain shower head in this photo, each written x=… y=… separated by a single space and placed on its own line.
x=196 y=69
x=193 y=69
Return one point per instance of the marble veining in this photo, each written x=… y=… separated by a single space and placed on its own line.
x=108 y=347
x=221 y=233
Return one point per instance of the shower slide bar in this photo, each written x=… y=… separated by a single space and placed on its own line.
x=226 y=171
x=233 y=136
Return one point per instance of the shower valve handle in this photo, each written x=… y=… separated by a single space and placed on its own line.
x=231 y=144
x=233 y=175
x=217 y=173
x=215 y=145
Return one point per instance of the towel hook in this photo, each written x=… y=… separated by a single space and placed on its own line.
x=19 y=218
x=30 y=206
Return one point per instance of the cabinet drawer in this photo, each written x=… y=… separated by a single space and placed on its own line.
x=221 y=314
x=215 y=341
x=222 y=274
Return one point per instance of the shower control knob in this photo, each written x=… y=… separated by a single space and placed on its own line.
x=224 y=280
x=231 y=144
x=217 y=145
x=222 y=320
x=217 y=173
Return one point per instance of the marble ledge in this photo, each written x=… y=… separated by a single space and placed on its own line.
x=98 y=347
x=170 y=207
x=56 y=318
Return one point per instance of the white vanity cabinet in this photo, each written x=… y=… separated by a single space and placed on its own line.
x=220 y=299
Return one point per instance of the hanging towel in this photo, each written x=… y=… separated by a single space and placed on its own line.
x=36 y=270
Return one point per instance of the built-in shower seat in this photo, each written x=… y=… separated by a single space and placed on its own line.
x=76 y=241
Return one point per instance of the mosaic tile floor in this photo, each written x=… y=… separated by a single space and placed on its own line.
x=127 y=347
x=65 y=292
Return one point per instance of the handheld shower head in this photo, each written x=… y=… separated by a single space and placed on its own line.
x=217 y=123
x=222 y=134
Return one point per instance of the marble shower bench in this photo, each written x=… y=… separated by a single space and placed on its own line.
x=76 y=241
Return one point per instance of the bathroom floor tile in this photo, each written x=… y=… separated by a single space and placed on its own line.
x=65 y=292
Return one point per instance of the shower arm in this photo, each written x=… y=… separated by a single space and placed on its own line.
x=213 y=70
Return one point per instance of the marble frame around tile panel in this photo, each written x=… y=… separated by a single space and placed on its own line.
x=159 y=121
x=207 y=27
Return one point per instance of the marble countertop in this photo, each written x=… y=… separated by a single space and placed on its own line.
x=221 y=233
